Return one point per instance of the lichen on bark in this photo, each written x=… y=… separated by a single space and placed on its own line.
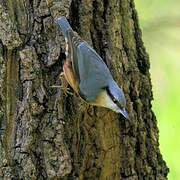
x=8 y=31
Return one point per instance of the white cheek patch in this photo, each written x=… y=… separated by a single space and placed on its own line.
x=113 y=106
x=110 y=104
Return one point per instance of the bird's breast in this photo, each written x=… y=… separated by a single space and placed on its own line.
x=70 y=76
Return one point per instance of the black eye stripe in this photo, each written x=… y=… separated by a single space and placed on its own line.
x=112 y=97
x=109 y=93
x=114 y=100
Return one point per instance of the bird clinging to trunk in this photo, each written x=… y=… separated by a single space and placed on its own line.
x=88 y=75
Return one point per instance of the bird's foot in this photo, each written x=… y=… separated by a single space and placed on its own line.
x=63 y=86
x=66 y=90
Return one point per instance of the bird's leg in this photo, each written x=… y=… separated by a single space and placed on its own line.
x=70 y=76
x=64 y=85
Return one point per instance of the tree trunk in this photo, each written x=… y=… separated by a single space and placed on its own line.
x=47 y=134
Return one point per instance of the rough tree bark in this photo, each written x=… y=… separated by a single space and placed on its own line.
x=48 y=135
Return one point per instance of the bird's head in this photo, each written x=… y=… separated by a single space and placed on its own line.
x=113 y=98
x=117 y=99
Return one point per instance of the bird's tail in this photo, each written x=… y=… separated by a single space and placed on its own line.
x=64 y=25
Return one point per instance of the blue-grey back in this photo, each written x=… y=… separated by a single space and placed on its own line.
x=94 y=74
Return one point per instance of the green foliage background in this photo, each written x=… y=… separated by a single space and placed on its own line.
x=160 y=23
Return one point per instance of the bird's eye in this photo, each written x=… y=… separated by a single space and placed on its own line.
x=114 y=100
x=117 y=102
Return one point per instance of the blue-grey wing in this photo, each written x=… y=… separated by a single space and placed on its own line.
x=94 y=74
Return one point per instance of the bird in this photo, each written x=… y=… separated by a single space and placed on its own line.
x=87 y=74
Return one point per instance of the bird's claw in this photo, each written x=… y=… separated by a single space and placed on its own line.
x=66 y=90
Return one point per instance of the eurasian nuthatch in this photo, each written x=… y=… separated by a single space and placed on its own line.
x=87 y=73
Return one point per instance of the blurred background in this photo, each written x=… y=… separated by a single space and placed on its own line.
x=160 y=24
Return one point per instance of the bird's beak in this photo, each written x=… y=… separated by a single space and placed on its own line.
x=124 y=113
